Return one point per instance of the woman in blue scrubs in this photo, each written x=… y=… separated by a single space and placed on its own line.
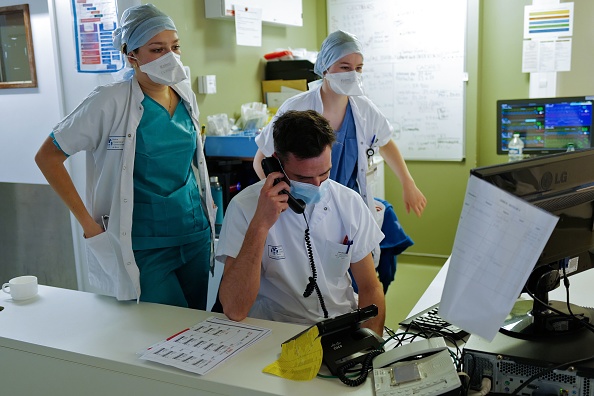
x=148 y=220
x=361 y=129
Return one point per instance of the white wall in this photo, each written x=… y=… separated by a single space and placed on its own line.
x=28 y=114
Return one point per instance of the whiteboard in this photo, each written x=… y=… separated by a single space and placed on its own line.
x=414 y=58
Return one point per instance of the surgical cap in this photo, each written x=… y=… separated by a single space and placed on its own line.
x=337 y=45
x=138 y=25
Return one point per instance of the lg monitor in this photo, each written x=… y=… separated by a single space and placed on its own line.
x=546 y=125
x=562 y=184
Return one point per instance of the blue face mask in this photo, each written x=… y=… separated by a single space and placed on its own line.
x=309 y=193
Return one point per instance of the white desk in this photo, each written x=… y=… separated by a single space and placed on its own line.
x=66 y=342
x=580 y=290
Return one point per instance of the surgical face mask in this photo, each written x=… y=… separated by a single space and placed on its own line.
x=309 y=193
x=347 y=83
x=166 y=70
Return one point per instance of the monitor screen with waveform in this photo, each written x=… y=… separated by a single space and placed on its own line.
x=546 y=125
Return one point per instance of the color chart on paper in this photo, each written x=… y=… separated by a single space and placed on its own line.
x=549 y=21
x=94 y=23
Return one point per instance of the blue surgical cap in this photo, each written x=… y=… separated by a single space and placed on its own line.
x=337 y=45
x=139 y=24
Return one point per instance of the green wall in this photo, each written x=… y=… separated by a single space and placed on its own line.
x=208 y=47
x=501 y=68
x=493 y=63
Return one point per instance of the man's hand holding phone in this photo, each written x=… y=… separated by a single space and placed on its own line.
x=271 y=165
x=271 y=202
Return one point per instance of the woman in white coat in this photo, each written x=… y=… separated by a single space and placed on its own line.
x=360 y=127
x=148 y=218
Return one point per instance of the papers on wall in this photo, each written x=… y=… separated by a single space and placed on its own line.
x=542 y=56
x=248 y=26
x=205 y=345
x=548 y=21
x=95 y=22
x=547 y=42
x=498 y=241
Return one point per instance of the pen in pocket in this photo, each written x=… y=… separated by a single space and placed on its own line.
x=346 y=241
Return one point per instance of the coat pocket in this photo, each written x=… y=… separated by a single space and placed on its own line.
x=337 y=262
x=102 y=264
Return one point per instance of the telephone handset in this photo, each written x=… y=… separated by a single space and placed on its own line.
x=272 y=164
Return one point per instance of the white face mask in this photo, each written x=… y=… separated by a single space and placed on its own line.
x=166 y=70
x=346 y=83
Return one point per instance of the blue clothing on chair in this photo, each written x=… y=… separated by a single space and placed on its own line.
x=395 y=242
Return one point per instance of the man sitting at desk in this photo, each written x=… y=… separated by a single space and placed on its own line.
x=289 y=267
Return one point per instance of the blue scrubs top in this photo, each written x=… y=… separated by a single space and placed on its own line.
x=167 y=206
x=345 y=152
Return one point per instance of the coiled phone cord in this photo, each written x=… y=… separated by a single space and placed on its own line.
x=365 y=368
x=313 y=284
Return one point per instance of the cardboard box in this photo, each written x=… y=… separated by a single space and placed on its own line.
x=275 y=86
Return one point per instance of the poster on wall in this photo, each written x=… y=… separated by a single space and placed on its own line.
x=94 y=23
x=547 y=38
x=551 y=21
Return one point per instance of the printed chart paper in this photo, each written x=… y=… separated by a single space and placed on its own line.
x=498 y=241
x=205 y=345
x=94 y=24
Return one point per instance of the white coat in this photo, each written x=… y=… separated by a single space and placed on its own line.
x=369 y=123
x=104 y=125
x=285 y=263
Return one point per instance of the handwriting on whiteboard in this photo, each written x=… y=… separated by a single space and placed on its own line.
x=413 y=69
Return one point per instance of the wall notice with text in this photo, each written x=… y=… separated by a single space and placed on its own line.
x=414 y=69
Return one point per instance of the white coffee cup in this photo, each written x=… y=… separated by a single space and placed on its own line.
x=21 y=287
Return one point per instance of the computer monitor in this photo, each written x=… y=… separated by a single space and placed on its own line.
x=562 y=184
x=546 y=125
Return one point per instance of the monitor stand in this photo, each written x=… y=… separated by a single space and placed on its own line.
x=530 y=320
x=537 y=319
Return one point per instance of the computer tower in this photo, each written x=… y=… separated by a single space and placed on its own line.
x=509 y=362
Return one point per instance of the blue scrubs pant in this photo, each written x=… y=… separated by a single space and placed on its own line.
x=175 y=275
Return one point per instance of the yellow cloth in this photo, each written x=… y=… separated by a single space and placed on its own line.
x=300 y=359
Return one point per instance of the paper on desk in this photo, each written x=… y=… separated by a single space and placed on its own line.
x=498 y=241
x=300 y=359
x=205 y=345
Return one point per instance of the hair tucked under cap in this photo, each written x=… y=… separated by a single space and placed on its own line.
x=337 y=45
x=138 y=25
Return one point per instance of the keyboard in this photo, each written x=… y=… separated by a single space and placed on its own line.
x=431 y=321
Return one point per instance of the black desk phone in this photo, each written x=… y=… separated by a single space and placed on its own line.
x=272 y=164
x=345 y=344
